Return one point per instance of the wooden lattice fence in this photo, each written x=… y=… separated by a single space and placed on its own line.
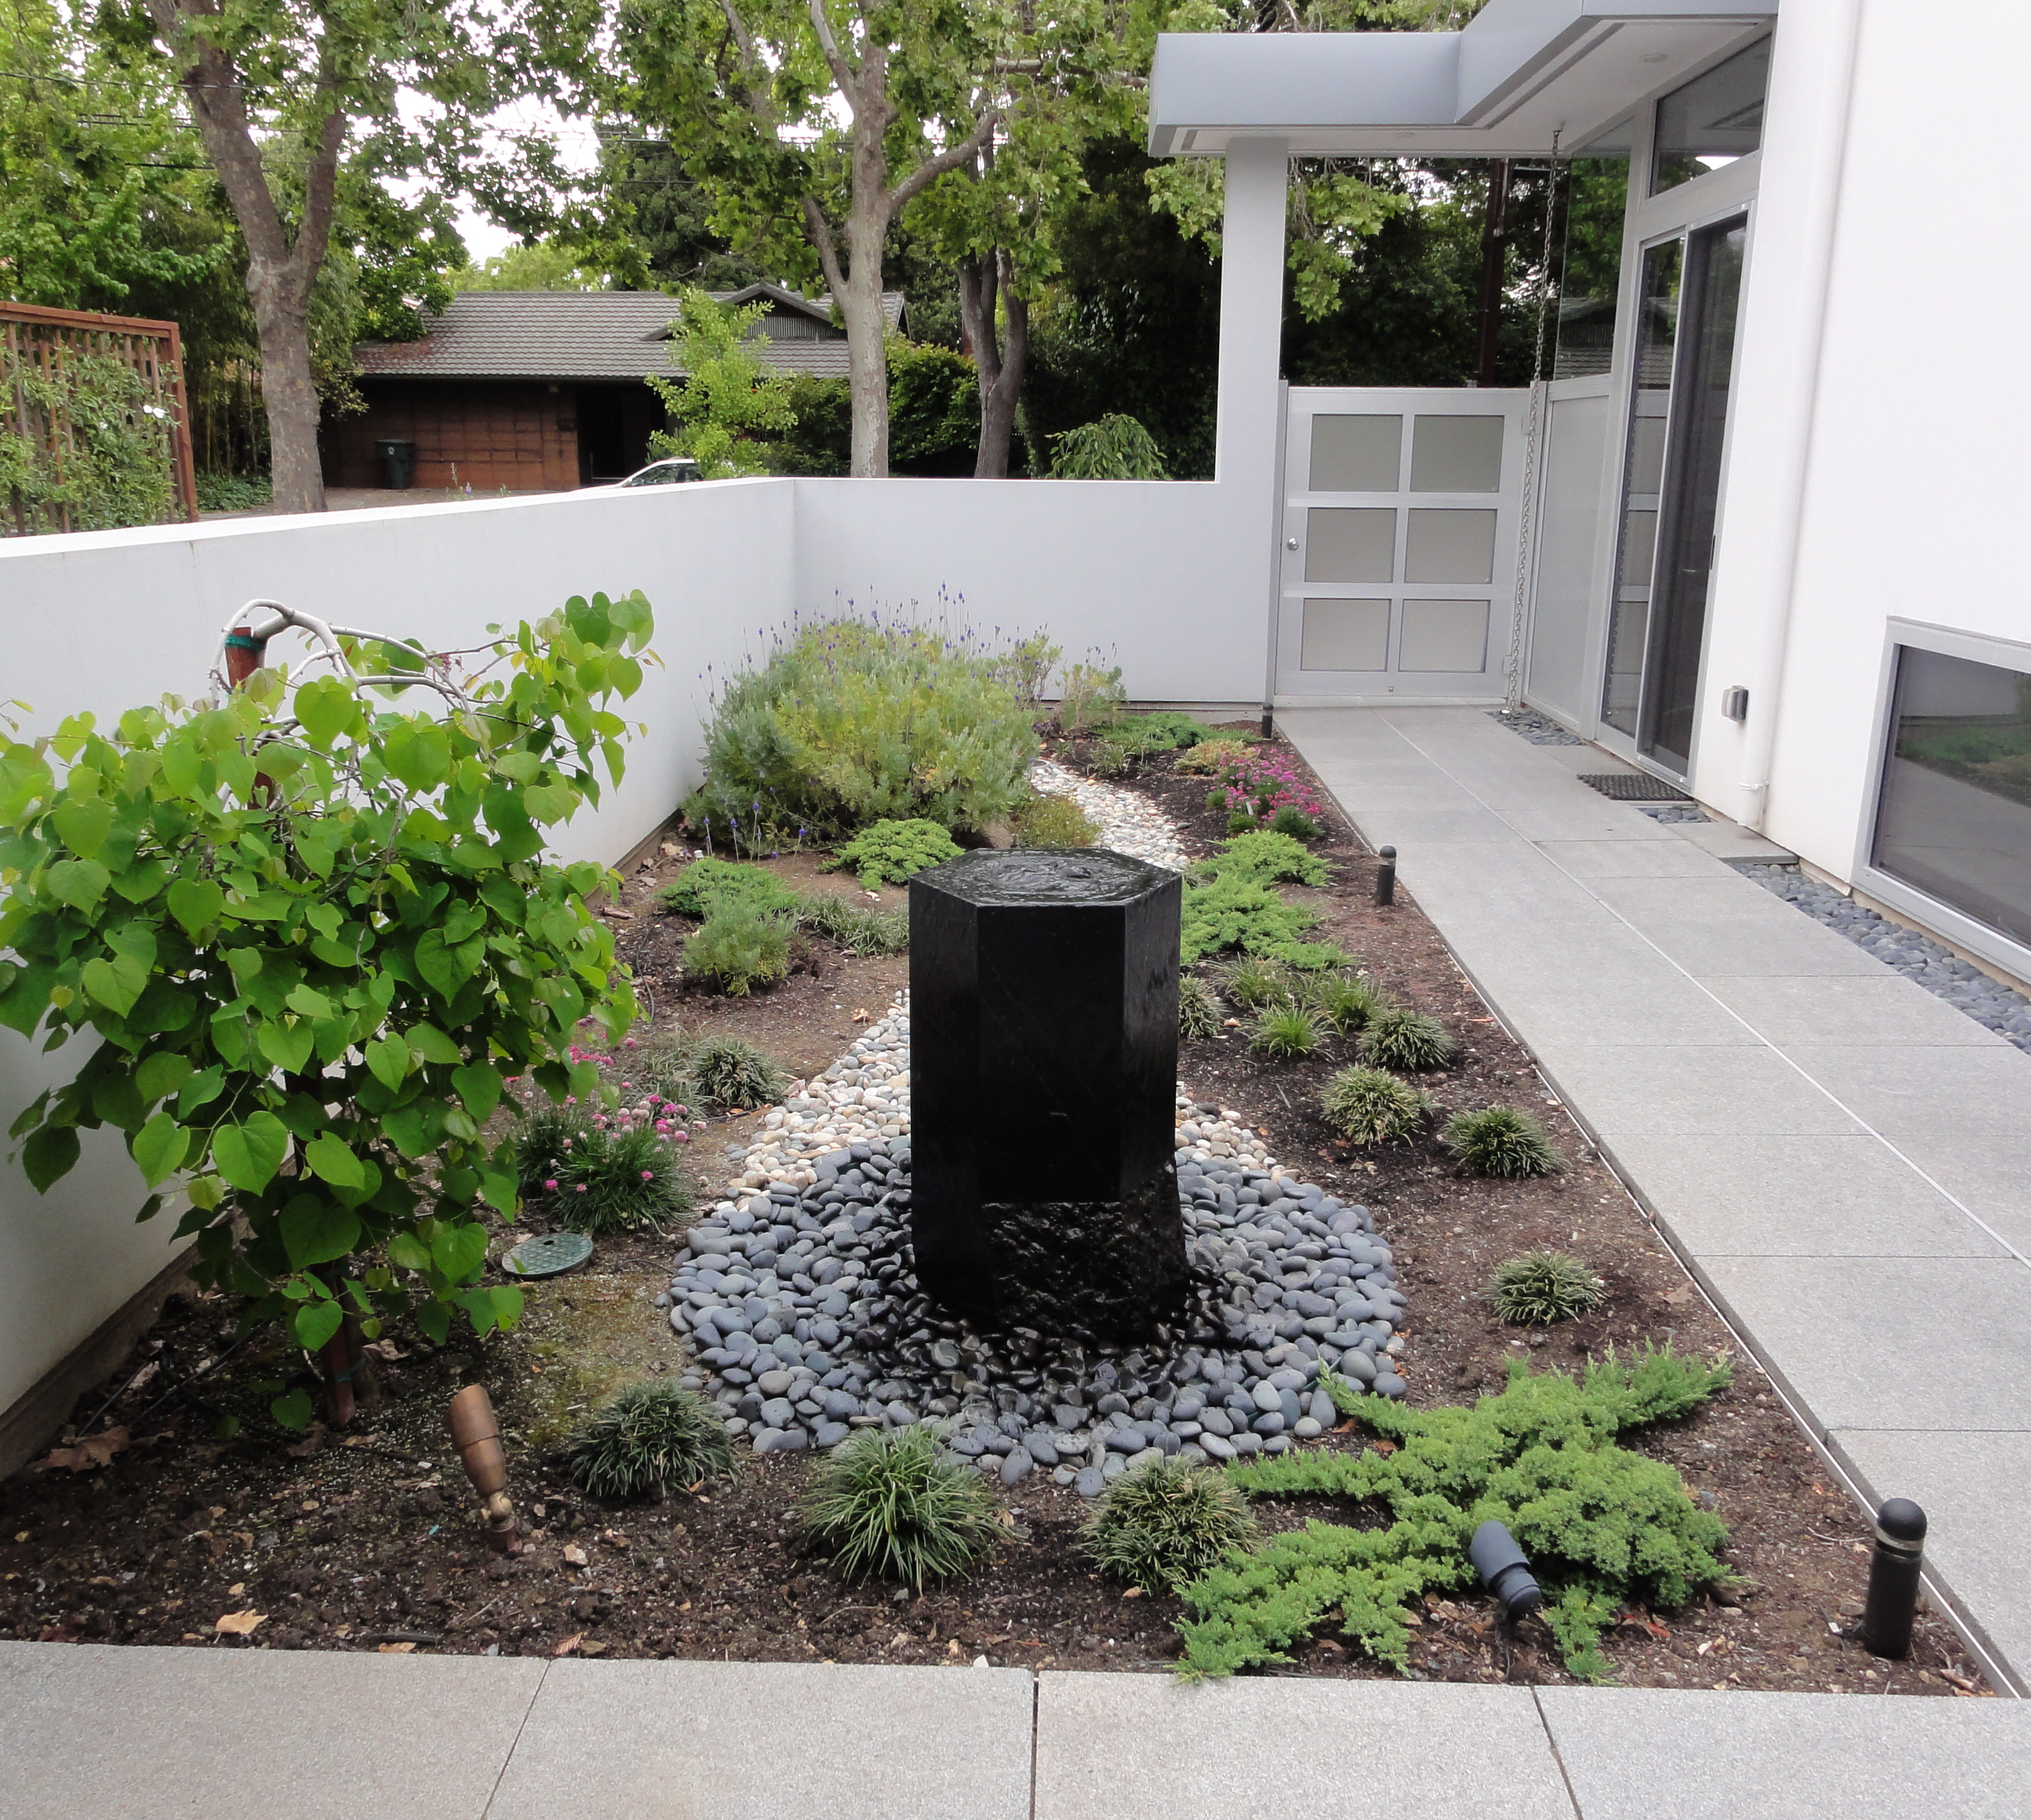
x=54 y=486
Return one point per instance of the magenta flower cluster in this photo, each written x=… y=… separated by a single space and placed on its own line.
x=1260 y=786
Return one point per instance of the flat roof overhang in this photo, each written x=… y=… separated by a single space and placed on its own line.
x=1520 y=72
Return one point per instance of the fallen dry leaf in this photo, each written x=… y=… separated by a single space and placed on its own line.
x=1682 y=1294
x=859 y=1017
x=93 y=1450
x=569 y=1645
x=240 y=1623
x=1133 y=1592
x=592 y=1646
x=395 y=1649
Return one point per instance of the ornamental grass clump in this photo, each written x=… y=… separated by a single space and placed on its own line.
x=1541 y=1287
x=733 y=951
x=860 y=929
x=1368 y=1106
x=896 y=1505
x=1606 y=1530
x=895 y=852
x=617 y=1176
x=729 y=1072
x=1255 y=982
x=1499 y=1140
x=1163 y=1524
x=1198 y=1008
x=1401 y=1039
x=1054 y=822
x=651 y=1439
x=1285 y=1033
x=542 y=1137
x=1345 y=1001
x=1295 y=823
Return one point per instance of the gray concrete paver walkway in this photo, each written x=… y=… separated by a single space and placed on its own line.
x=120 y=1733
x=1843 y=1160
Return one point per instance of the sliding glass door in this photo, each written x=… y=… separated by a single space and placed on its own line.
x=1691 y=287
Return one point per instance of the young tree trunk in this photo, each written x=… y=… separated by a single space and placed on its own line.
x=280 y=268
x=998 y=360
x=866 y=339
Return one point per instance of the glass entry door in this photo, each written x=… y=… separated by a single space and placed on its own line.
x=1677 y=425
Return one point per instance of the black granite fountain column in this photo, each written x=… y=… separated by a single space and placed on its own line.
x=1043 y=1072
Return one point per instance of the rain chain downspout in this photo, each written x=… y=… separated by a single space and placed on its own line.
x=1818 y=156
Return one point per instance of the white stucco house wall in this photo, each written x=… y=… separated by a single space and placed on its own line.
x=1813 y=405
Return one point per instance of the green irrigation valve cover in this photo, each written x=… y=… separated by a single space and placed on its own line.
x=551 y=1255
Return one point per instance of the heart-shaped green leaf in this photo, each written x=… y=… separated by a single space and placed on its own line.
x=292 y=1411
x=388 y=1060
x=201 y=1089
x=407 y=1252
x=247 y=1155
x=195 y=902
x=80 y=883
x=326 y=708
x=308 y=1002
x=434 y=1320
x=459 y=1250
x=480 y=1087
x=83 y=823
x=161 y=1075
x=433 y=1045
x=315 y=1230
x=115 y=982
x=287 y=1045
x=48 y=1155
x=159 y=1147
x=331 y=1159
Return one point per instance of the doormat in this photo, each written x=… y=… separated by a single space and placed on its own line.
x=1634 y=787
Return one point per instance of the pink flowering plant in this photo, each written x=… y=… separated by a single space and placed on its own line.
x=1258 y=786
x=609 y=1161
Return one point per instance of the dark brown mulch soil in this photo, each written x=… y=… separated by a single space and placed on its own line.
x=368 y=1540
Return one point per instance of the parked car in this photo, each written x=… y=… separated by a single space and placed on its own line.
x=677 y=469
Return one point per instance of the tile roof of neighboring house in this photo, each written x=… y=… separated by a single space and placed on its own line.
x=593 y=335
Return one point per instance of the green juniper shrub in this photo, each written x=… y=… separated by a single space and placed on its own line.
x=1313 y=956
x=1215 y=799
x=895 y=852
x=1285 y=1033
x=1046 y=821
x=651 y=1439
x=1401 y=1039
x=1346 y=1001
x=1164 y=1524
x=1499 y=1140
x=1198 y=1009
x=709 y=885
x=729 y=1072
x=849 y=723
x=735 y=951
x=860 y=929
x=1241 y=914
x=1255 y=982
x=1543 y=1287
x=896 y=1505
x=1175 y=728
x=616 y=1178
x=1606 y=1529
x=1263 y=854
x=1212 y=755
x=1369 y=1107
x=1294 y=821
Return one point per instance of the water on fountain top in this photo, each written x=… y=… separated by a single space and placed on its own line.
x=1026 y=876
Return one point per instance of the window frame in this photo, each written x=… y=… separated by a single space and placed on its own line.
x=1954 y=926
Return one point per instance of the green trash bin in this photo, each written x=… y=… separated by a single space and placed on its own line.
x=397 y=456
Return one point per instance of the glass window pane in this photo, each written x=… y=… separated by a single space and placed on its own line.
x=1444 y=636
x=1596 y=199
x=1629 y=613
x=1355 y=454
x=1455 y=545
x=1954 y=817
x=1456 y=455
x=1350 y=543
x=1345 y=635
x=1714 y=120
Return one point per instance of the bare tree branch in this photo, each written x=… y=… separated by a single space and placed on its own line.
x=950 y=158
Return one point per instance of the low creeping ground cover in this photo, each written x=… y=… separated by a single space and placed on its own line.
x=1605 y=1528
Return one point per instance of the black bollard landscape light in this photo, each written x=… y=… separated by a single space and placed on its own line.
x=1385 y=877
x=1043 y=1066
x=1894 y=1571
x=1505 y=1571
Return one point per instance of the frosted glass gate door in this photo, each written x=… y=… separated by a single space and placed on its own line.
x=1397 y=564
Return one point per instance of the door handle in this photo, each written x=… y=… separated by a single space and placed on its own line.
x=1290 y=543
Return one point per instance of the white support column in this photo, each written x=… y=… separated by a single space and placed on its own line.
x=1251 y=314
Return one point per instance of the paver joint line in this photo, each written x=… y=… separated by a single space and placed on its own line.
x=1551 y=1739
x=534 y=1694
